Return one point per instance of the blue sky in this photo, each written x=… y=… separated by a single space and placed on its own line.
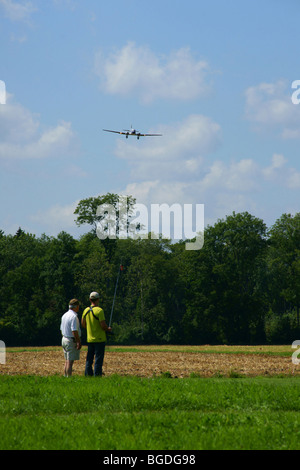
x=214 y=77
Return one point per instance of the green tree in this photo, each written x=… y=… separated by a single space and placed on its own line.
x=57 y=287
x=147 y=310
x=87 y=210
x=94 y=211
x=20 y=278
x=284 y=276
x=224 y=301
x=93 y=270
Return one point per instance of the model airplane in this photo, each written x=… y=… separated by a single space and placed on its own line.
x=132 y=131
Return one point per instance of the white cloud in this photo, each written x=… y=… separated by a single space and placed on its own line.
x=237 y=176
x=21 y=136
x=293 y=180
x=281 y=174
x=278 y=161
x=75 y=172
x=236 y=180
x=158 y=192
x=19 y=39
x=141 y=191
x=69 y=4
x=246 y=176
x=178 y=153
x=56 y=218
x=269 y=107
x=18 y=11
x=221 y=186
x=177 y=168
x=138 y=70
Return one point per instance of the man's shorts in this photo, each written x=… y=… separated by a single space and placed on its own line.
x=70 y=351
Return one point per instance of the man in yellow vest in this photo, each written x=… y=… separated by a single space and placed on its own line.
x=94 y=321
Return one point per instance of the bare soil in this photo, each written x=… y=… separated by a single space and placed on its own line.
x=180 y=362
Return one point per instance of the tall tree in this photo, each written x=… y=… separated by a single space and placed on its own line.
x=225 y=301
x=89 y=211
x=109 y=216
x=284 y=265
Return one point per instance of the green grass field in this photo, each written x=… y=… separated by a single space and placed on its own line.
x=159 y=413
x=274 y=350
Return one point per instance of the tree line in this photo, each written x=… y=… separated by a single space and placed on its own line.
x=242 y=287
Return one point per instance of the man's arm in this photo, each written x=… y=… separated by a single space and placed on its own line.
x=104 y=326
x=77 y=339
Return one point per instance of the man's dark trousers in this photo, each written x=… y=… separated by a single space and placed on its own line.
x=95 y=350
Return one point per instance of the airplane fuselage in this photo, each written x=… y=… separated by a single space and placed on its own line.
x=132 y=132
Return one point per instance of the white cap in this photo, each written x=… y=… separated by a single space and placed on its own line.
x=94 y=295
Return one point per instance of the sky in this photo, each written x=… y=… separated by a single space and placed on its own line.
x=214 y=77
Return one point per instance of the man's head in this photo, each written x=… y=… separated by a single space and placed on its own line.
x=94 y=297
x=74 y=305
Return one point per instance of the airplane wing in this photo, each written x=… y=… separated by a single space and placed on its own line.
x=115 y=132
x=149 y=135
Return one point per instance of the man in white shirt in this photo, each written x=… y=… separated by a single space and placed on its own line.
x=70 y=330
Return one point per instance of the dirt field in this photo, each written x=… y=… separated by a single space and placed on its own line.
x=150 y=361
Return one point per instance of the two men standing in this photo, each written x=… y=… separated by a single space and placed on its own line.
x=94 y=321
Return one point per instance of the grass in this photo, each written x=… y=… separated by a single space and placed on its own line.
x=161 y=413
x=279 y=350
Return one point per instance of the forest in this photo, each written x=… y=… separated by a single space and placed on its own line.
x=242 y=287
